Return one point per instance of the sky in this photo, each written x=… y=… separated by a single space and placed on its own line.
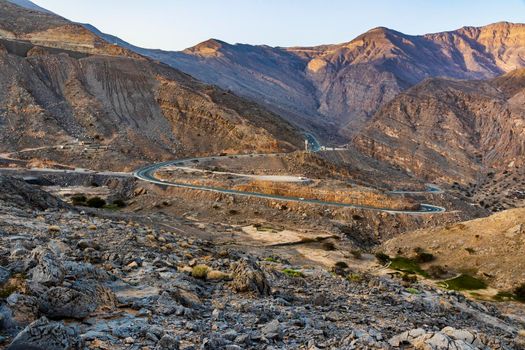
x=178 y=24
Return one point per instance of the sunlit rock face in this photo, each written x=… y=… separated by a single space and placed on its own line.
x=342 y=86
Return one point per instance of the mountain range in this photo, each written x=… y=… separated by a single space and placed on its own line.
x=443 y=106
x=341 y=86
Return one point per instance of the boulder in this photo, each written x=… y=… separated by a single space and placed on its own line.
x=24 y=309
x=77 y=301
x=248 y=277
x=49 y=270
x=44 y=334
x=168 y=342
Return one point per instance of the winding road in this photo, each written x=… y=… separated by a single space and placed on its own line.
x=148 y=174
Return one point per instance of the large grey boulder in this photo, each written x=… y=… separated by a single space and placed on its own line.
x=44 y=334
x=76 y=301
x=248 y=277
x=49 y=270
x=23 y=309
x=447 y=339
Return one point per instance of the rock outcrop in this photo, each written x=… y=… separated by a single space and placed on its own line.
x=248 y=277
x=44 y=334
x=445 y=130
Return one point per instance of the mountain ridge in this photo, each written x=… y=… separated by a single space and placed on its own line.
x=62 y=84
x=343 y=85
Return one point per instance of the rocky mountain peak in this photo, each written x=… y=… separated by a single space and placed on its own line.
x=210 y=47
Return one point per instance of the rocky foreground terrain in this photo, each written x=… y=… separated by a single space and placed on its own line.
x=71 y=280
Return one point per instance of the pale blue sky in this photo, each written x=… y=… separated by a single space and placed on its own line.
x=177 y=24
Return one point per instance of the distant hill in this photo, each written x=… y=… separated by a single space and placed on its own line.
x=61 y=83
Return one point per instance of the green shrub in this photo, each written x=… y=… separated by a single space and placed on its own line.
x=424 y=257
x=341 y=265
x=78 y=199
x=119 y=203
x=504 y=296
x=519 y=292
x=271 y=259
x=95 y=202
x=354 y=277
x=199 y=271
x=292 y=273
x=329 y=246
x=382 y=258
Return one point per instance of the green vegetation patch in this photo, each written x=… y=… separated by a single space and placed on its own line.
x=518 y=294
x=199 y=271
x=354 y=277
x=463 y=282
x=504 y=296
x=271 y=259
x=407 y=265
x=292 y=273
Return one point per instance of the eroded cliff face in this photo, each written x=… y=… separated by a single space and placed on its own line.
x=74 y=87
x=445 y=130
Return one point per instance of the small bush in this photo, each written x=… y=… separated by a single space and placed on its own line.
x=95 y=202
x=292 y=273
x=7 y=291
x=341 y=265
x=382 y=258
x=328 y=246
x=356 y=253
x=424 y=257
x=505 y=296
x=355 y=277
x=199 y=271
x=215 y=275
x=520 y=292
x=409 y=278
x=119 y=203
x=78 y=199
